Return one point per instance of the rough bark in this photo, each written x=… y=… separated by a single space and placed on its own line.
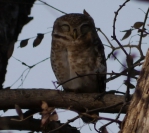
x=32 y=98
x=137 y=117
x=13 y=16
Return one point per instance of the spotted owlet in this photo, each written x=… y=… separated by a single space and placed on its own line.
x=78 y=50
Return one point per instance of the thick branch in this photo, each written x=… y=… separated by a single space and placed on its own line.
x=29 y=124
x=31 y=99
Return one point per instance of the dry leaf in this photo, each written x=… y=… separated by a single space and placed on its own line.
x=19 y=111
x=127 y=34
x=50 y=109
x=131 y=86
x=38 y=39
x=48 y=113
x=137 y=25
x=44 y=105
x=44 y=119
x=144 y=35
x=53 y=116
x=134 y=73
x=104 y=130
x=23 y=43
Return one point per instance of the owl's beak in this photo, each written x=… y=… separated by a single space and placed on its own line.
x=75 y=34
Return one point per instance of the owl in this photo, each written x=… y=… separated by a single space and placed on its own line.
x=77 y=50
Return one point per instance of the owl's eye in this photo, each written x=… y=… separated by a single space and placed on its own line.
x=85 y=28
x=65 y=28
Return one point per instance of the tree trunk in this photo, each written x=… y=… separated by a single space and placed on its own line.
x=137 y=117
x=13 y=16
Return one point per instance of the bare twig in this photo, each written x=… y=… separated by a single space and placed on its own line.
x=52 y=7
x=69 y=121
x=34 y=37
x=114 y=21
x=138 y=63
x=98 y=29
x=85 y=114
x=78 y=76
x=111 y=46
x=20 y=77
x=143 y=27
x=124 y=104
x=109 y=107
x=28 y=68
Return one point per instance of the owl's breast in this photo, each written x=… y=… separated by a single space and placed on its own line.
x=72 y=59
x=82 y=62
x=59 y=61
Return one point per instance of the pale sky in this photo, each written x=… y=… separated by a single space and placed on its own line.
x=42 y=75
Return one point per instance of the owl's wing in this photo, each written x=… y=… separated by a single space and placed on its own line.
x=101 y=65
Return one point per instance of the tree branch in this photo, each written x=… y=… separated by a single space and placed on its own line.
x=29 y=124
x=114 y=21
x=34 y=125
x=32 y=98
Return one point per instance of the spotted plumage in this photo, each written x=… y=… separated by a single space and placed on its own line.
x=77 y=50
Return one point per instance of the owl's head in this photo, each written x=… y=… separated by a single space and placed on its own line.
x=73 y=26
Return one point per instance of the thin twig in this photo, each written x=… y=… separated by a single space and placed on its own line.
x=125 y=71
x=116 y=117
x=111 y=46
x=69 y=121
x=114 y=21
x=19 y=77
x=141 y=36
x=41 y=61
x=35 y=36
x=85 y=114
x=78 y=76
x=98 y=29
x=24 y=78
x=104 y=108
x=52 y=7
x=28 y=68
